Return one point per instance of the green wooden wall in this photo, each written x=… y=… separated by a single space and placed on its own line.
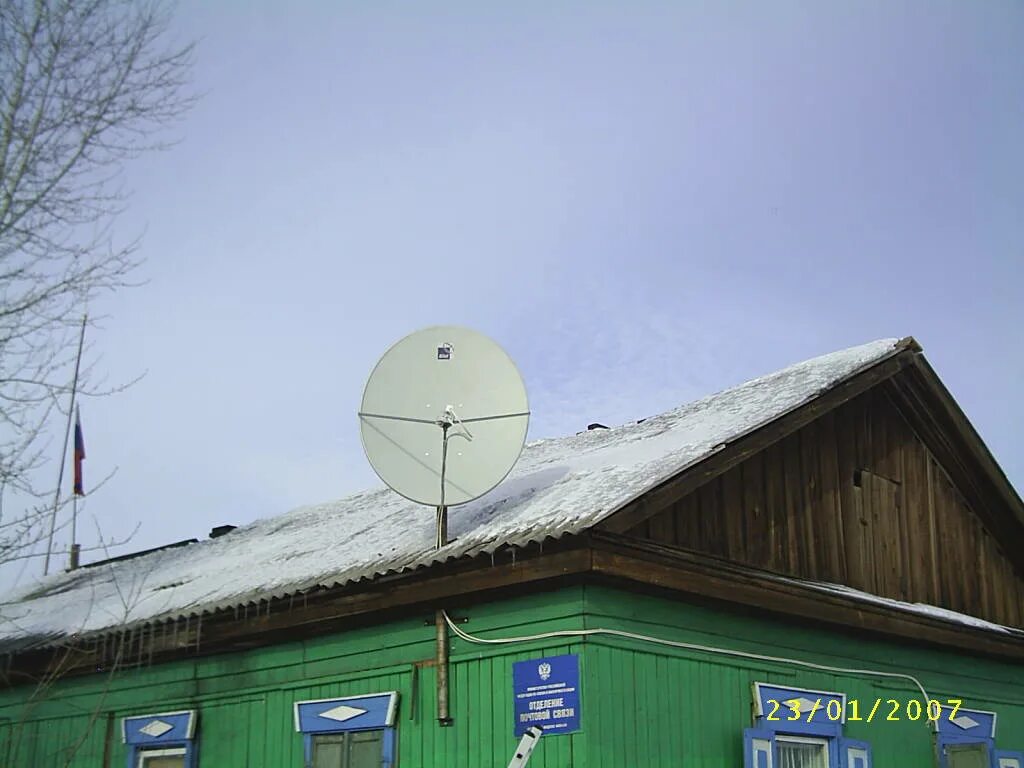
x=245 y=699
x=689 y=708
x=643 y=704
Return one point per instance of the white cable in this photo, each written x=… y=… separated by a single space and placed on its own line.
x=676 y=644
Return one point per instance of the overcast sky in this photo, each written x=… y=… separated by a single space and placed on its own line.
x=643 y=203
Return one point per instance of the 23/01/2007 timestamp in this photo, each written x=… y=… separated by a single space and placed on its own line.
x=880 y=709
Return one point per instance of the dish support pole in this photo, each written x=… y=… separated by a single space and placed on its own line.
x=440 y=624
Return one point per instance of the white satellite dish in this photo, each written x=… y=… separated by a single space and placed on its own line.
x=443 y=421
x=444 y=416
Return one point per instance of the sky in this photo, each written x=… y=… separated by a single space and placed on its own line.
x=643 y=203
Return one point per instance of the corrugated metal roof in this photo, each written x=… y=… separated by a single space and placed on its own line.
x=559 y=487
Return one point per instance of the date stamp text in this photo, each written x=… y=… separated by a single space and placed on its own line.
x=832 y=710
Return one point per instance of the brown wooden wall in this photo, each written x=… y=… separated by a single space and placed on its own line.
x=853 y=498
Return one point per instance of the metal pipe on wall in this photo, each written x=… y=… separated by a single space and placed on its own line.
x=443 y=715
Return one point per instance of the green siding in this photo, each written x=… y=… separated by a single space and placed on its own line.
x=643 y=704
x=245 y=700
x=688 y=707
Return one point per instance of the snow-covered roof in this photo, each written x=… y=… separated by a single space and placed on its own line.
x=559 y=487
x=920 y=609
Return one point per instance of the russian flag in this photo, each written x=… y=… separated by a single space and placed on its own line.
x=79 y=454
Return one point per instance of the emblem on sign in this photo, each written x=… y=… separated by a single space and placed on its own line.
x=444 y=352
x=544 y=670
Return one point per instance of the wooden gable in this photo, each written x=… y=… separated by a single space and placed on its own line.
x=858 y=497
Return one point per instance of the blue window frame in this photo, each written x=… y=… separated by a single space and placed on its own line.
x=164 y=738
x=971 y=729
x=1005 y=758
x=962 y=729
x=803 y=727
x=348 y=732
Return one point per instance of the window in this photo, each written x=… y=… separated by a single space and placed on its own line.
x=348 y=749
x=966 y=738
x=967 y=756
x=798 y=728
x=163 y=740
x=348 y=732
x=161 y=758
x=801 y=752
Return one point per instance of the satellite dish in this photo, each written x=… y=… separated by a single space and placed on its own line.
x=444 y=416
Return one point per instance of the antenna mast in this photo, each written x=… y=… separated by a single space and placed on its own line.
x=414 y=389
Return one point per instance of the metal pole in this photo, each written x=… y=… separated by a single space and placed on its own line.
x=75 y=547
x=442 y=509
x=64 y=453
x=443 y=715
x=440 y=625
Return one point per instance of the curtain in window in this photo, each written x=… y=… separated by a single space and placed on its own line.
x=802 y=755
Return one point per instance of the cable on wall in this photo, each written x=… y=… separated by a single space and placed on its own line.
x=688 y=646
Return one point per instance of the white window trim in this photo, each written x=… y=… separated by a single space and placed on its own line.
x=802 y=739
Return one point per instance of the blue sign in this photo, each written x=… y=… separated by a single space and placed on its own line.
x=547 y=694
x=160 y=728
x=350 y=713
x=799 y=710
x=965 y=725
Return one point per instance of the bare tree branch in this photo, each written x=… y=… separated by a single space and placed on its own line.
x=85 y=86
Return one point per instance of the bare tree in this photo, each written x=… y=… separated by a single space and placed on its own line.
x=85 y=85
x=108 y=649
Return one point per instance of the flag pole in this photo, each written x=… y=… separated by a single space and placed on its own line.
x=75 y=547
x=64 y=453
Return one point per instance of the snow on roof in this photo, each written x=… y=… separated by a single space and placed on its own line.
x=559 y=487
x=921 y=609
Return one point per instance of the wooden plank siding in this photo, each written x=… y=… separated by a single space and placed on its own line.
x=854 y=497
x=245 y=700
x=697 y=703
x=644 y=704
